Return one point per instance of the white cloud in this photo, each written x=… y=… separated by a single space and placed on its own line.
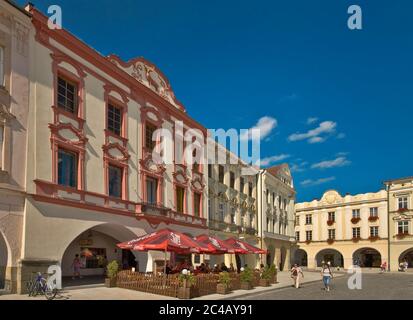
x=311 y=120
x=311 y=182
x=265 y=125
x=313 y=136
x=270 y=160
x=316 y=140
x=298 y=167
x=338 y=162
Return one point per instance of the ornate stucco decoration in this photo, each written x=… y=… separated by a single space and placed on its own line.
x=21 y=34
x=151 y=166
x=150 y=76
x=5 y=114
x=331 y=197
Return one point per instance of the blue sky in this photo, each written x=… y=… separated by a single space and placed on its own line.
x=342 y=100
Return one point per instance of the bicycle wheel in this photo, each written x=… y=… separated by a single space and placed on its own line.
x=50 y=293
x=30 y=288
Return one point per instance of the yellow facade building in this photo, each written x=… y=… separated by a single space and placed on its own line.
x=342 y=230
x=400 y=199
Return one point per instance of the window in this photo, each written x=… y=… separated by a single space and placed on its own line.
x=2 y=67
x=197 y=204
x=297 y=221
x=115 y=182
x=67 y=95
x=241 y=185
x=250 y=189
x=221 y=212
x=374 y=231
x=331 y=216
x=309 y=235
x=356 y=213
x=93 y=258
x=297 y=236
x=180 y=196
x=232 y=180
x=268 y=196
x=210 y=212
x=221 y=174
x=403 y=227
x=332 y=234
x=374 y=212
x=308 y=219
x=114 y=119
x=210 y=171
x=67 y=168
x=151 y=190
x=356 y=233
x=403 y=203
x=233 y=216
x=149 y=132
x=268 y=225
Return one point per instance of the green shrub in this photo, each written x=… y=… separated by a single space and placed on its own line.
x=112 y=269
x=224 y=278
x=247 y=275
x=190 y=278
x=267 y=273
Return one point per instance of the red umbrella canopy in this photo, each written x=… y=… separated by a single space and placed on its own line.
x=165 y=240
x=244 y=247
x=216 y=245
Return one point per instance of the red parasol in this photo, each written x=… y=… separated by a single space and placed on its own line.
x=244 y=247
x=216 y=245
x=165 y=240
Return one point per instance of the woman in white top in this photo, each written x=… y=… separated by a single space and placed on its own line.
x=296 y=272
x=327 y=276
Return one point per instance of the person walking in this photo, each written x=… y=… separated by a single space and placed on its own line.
x=383 y=267
x=76 y=265
x=296 y=273
x=327 y=276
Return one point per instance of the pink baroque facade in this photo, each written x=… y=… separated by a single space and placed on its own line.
x=15 y=35
x=91 y=179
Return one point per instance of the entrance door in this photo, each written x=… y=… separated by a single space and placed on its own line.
x=369 y=260
x=238 y=262
x=128 y=260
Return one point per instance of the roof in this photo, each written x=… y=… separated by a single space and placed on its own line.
x=15 y=5
x=398 y=180
x=276 y=169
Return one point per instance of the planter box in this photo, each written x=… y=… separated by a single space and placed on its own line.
x=373 y=219
x=246 y=286
x=223 y=289
x=330 y=222
x=264 y=283
x=188 y=293
x=355 y=220
x=110 y=282
x=274 y=279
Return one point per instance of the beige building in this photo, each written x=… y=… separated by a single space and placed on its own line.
x=15 y=34
x=276 y=199
x=342 y=230
x=232 y=207
x=400 y=199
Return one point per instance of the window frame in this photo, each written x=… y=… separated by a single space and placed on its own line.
x=76 y=171
x=113 y=130
x=68 y=79
x=121 y=183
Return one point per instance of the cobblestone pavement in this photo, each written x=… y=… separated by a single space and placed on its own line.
x=374 y=287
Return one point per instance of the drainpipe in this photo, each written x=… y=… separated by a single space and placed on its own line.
x=388 y=225
x=261 y=209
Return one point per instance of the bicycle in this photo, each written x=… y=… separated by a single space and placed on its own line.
x=40 y=285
